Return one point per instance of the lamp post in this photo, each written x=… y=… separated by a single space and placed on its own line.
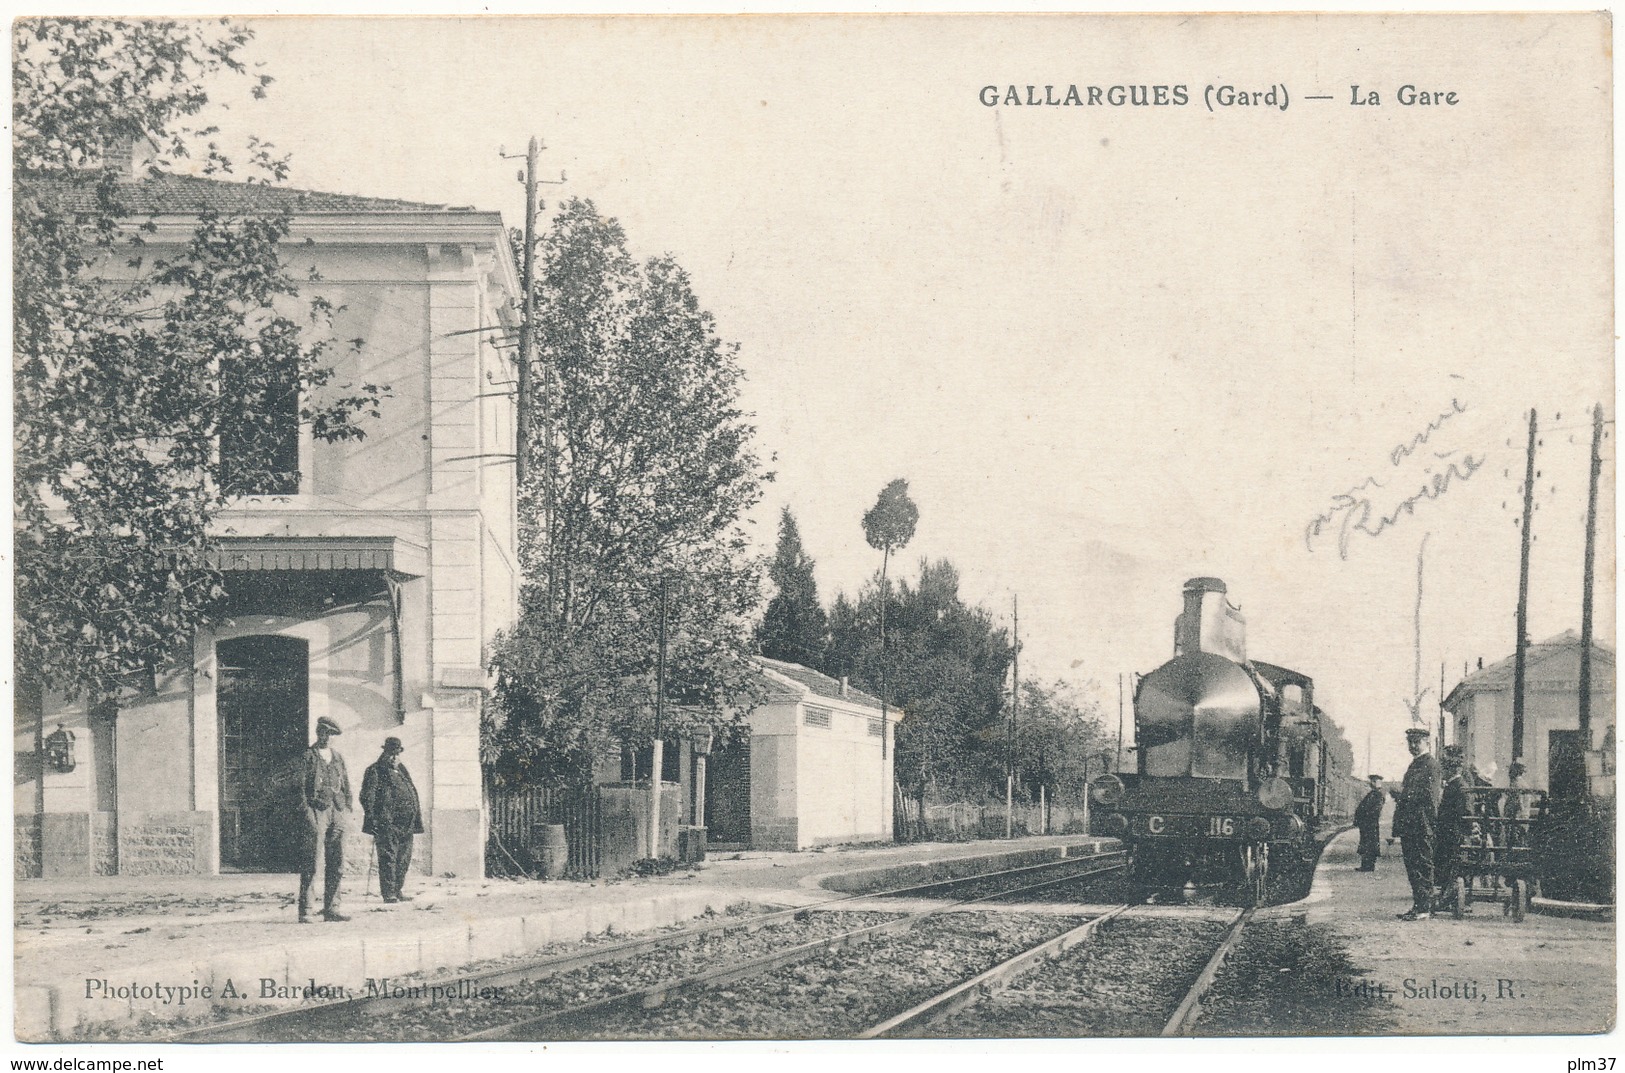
x=702 y=741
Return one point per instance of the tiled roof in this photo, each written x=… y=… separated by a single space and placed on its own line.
x=1502 y=673
x=185 y=195
x=821 y=684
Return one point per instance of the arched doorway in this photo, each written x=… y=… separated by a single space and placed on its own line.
x=263 y=701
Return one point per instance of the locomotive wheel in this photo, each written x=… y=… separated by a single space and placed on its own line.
x=1458 y=905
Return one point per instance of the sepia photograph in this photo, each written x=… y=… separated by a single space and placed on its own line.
x=538 y=530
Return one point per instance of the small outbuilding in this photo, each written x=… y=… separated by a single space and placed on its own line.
x=814 y=769
x=1554 y=753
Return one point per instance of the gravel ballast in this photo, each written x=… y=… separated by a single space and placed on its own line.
x=841 y=993
x=1124 y=981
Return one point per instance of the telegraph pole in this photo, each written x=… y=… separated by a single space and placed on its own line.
x=1521 y=651
x=527 y=333
x=1015 y=703
x=1590 y=577
x=1119 y=721
x=1441 y=703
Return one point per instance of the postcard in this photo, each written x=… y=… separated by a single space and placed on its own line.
x=813 y=527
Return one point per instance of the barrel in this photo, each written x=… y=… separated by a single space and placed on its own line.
x=555 y=850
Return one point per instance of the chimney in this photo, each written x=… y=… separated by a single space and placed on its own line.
x=1210 y=623
x=844 y=686
x=131 y=157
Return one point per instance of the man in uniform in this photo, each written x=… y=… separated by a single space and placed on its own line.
x=1368 y=818
x=1415 y=819
x=1454 y=809
x=389 y=803
x=325 y=788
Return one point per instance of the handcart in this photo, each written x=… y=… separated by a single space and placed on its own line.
x=1495 y=857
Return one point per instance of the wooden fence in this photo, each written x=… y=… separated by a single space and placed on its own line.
x=601 y=828
x=513 y=844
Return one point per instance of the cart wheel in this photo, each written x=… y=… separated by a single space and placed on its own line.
x=1458 y=908
x=1520 y=900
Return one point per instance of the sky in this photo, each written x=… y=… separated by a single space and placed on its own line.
x=1110 y=348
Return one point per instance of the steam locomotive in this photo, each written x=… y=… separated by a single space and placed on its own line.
x=1231 y=761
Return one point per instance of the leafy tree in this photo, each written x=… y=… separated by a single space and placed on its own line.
x=130 y=363
x=889 y=525
x=795 y=627
x=652 y=470
x=946 y=662
x=1059 y=740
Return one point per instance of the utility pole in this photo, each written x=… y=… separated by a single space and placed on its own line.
x=1521 y=652
x=1015 y=702
x=1590 y=578
x=527 y=331
x=659 y=744
x=1441 y=702
x=1119 y=721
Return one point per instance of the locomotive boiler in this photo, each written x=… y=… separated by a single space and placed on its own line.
x=1230 y=760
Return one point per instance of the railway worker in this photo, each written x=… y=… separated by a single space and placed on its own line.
x=1415 y=819
x=1455 y=809
x=391 y=815
x=1368 y=818
x=325 y=791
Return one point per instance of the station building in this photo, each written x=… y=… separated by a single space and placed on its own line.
x=814 y=767
x=1481 y=707
x=364 y=591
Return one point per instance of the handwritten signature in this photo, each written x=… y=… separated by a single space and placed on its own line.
x=1354 y=512
x=1405 y=450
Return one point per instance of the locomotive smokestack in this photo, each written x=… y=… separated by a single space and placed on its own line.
x=1210 y=623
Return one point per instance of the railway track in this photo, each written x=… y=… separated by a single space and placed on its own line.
x=1043 y=1007
x=457 y=1000
x=1189 y=1009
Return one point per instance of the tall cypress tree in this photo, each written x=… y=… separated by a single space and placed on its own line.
x=795 y=628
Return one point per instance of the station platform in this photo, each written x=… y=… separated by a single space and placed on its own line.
x=1482 y=975
x=95 y=953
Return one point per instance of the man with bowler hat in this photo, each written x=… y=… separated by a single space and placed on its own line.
x=389 y=805
x=1368 y=818
x=1415 y=819
x=325 y=785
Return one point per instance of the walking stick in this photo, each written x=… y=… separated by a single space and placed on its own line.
x=372 y=854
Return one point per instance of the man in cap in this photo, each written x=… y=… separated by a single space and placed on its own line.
x=1368 y=818
x=325 y=788
x=1455 y=810
x=389 y=803
x=1415 y=819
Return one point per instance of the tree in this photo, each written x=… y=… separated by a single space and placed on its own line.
x=648 y=465
x=131 y=366
x=946 y=663
x=1059 y=739
x=795 y=628
x=889 y=525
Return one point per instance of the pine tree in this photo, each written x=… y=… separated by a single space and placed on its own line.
x=795 y=628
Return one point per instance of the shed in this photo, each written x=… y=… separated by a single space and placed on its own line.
x=813 y=769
